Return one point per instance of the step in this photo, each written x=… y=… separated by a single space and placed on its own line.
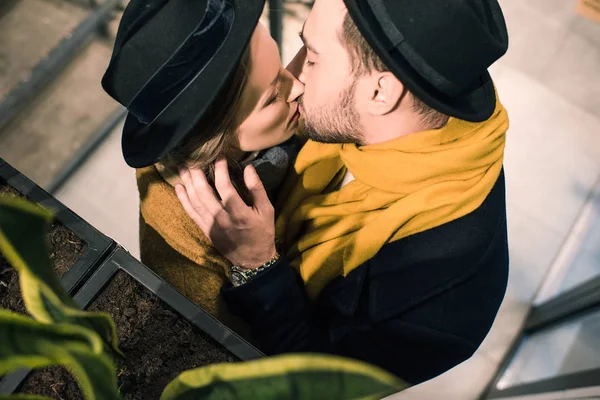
x=64 y=115
x=29 y=30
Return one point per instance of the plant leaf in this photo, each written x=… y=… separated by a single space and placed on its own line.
x=23 y=228
x=20 y=396
x=296 y=376
x=31 y=344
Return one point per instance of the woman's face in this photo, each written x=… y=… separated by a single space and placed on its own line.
x=268 y=107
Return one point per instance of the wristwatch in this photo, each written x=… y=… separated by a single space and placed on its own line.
x=240 y=275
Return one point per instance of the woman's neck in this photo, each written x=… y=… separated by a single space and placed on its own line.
x=243 y=156
x=168 y=170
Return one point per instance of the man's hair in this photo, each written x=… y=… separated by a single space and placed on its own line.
x=364 y=60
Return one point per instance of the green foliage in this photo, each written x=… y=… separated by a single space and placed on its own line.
x=23 y=228
x=28 y=343
x=24 y=397
x=62 y=334
x=294 y=376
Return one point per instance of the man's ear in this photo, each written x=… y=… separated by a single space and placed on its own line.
x=386 y=93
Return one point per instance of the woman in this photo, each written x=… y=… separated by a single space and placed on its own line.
x=212 y=88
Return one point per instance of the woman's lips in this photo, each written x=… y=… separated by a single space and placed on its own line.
x=294 y=118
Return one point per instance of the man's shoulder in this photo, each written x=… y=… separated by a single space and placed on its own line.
x=408 y=272
x=469 y=238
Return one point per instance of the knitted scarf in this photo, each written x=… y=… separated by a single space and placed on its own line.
x=402 y=187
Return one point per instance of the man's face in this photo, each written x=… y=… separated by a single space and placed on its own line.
x=328 y=104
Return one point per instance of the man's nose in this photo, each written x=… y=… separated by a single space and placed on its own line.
x=296 y=66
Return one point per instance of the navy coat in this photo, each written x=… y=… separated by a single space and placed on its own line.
x=418 y=308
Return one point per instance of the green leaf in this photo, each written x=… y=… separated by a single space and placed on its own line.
x=20 y=396
x=296 y=376
x=23 y=228
x=31 y=344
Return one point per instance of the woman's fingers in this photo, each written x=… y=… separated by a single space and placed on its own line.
x=201 y=194
x=244 y=235
x=182 y=195
x=231 y=199
x=191 y=193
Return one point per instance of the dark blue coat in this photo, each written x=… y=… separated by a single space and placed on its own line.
x=421 y=306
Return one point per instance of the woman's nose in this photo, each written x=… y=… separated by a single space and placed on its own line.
x=296 y=66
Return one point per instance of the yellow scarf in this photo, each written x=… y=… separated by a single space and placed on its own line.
x=401 y=187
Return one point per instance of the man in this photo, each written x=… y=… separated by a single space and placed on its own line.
x=393 y=221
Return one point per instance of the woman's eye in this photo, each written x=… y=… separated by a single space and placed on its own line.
x=309 y=63
x=272 y=100
x=276 y=96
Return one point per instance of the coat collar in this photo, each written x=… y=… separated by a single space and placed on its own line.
x=408 y=272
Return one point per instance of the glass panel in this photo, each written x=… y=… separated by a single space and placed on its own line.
x=579 y=258
x=588 y=393
x=570 y=347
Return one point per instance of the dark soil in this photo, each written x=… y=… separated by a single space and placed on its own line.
x=65 y=249
x=158 y=345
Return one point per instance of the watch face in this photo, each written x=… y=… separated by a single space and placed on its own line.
x=237 y=278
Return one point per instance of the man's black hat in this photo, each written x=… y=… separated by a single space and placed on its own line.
x=439 y=49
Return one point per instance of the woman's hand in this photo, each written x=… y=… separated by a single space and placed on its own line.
x=244 y=235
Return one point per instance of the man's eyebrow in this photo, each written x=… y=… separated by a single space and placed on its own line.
x=272 y=87
x=306 y=43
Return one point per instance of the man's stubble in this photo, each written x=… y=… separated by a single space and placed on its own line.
x=337 y=123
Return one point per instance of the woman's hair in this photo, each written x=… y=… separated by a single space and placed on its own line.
x=214 y=136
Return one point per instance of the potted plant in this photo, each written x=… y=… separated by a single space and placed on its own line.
x=77 y=247
x=160 y=333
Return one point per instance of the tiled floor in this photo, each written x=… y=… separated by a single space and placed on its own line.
x=552 y=163
x=550 y=83
x=104 y=193
x=64 y=114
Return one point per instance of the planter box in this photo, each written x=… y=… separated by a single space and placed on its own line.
x=163 y=332
x=98 y=246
